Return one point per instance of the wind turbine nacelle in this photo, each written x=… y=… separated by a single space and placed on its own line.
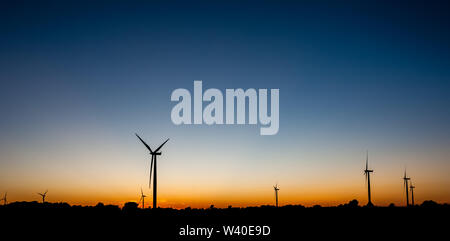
x=156 y=153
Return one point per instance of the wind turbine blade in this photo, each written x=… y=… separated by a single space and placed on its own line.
x=151 y=171
x=161 y=145
x=367 y=160
x=143 y=142
x=142 y=193
x=45 y=192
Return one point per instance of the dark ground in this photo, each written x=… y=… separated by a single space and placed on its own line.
x=62 y=221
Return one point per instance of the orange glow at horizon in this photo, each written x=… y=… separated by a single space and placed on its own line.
x=85 y=171
x=317 y=194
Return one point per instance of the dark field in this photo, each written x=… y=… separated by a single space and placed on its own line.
x=62 y=221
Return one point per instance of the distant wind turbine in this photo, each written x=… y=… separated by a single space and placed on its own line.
x=367 y=174
x=142 y=198
x=43 y=196
x=4 y=199
x=276 y=188
x=405 y=182
x=153 y=163
x=412 y=194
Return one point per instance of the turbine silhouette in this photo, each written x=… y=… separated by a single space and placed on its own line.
x=367 y=174
x=276 y=188
x=405 y=184
x=43 y=195
x=412 y=193
x=4 y=199
x=142 y=198
x=153 y=169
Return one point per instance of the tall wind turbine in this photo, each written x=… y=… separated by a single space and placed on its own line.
x=153 y=163
x=405 y=182
x=43 y=196
x=4 y=198
x=367 y=174
x=142 y=198
x=412 y=193
x=276 y=188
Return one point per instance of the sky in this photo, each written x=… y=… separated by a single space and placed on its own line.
x=79 y=78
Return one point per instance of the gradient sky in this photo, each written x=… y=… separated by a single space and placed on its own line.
x=78 y=79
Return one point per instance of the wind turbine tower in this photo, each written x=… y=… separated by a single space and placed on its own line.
x=276 y=188
x=142 y=198
x=405 y=182
x=367 y=174
x=412 y=194
x=153 y=166
x=43 y=196
x=4 y=199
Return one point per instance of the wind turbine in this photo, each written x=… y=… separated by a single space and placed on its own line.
x=412 y=193
x=276 y=188
x=153 y=163
x=4 y=198
x=367 y=174
x=142 y=198
x=405 y=182
x=43 y=196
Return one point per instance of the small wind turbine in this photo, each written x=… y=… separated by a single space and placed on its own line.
x=276 y=188
x=412 y=193
x=405 y=183
x=142 y=198
x=153 y=163
x=367 y=174
x=4 y=198
x=43 y=196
